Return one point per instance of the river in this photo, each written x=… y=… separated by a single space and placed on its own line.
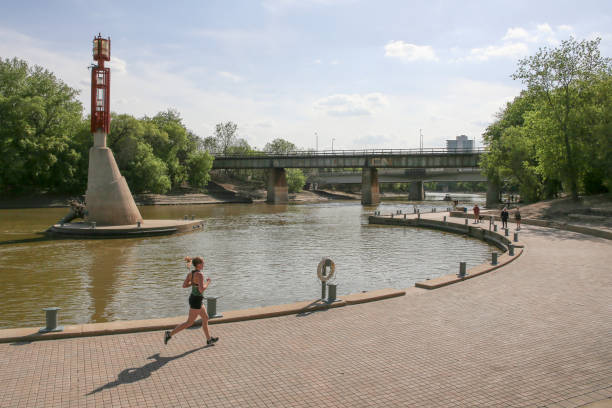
x=256 y=255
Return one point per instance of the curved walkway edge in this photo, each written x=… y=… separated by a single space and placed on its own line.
x=133 y=326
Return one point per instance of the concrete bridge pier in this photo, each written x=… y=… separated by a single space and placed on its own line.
x=492 y=194
x=417 y=191
x=278 y=192
x=369 y=186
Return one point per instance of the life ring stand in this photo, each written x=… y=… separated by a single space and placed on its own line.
x=321 y=268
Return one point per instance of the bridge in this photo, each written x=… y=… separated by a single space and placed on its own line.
x=369 y=161
x=399 y=176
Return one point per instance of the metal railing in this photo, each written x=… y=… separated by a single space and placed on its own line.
x=349 y=153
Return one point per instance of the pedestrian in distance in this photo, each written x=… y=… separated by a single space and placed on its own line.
x=195 y=279
x=504 y=217
x=476 y=210
x=517 y=217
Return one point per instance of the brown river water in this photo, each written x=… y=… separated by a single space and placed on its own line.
x=255 y=254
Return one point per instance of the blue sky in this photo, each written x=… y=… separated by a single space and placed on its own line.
x=367 y=74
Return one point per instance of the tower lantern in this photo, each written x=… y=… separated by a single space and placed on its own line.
x=100 y=87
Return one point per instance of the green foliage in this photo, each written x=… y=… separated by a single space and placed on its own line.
x=557 y=132
x=295 y=180
x=561 y=78
x=199 y=164
x=41 y=136
x=279 y=146
x=226 y=135
x=143 y=170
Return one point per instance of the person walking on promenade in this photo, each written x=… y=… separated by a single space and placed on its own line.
x=517 y=217
x=504 y=217
x=195 y=279
x=476 y=214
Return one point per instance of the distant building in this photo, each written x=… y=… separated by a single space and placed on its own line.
x=460 y=143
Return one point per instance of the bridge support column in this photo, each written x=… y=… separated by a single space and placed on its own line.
x=369 y=186
x=278 y=192
x=417 y=192
x=492 y=193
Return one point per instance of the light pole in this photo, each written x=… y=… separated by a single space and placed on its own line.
x=317 y=141
x=333 y=144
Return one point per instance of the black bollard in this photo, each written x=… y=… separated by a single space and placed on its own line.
x=511 y=250
x=516 y=237
x=506 y=232
x=462 y=269
x=331 y=296
x=494 y=227
x=51 y=320
x=211 y=307
x=493 y=258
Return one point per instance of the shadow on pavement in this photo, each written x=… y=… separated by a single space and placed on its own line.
x=130 y=375
x=312 y=308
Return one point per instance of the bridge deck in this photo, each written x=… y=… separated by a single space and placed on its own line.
x=385 y=158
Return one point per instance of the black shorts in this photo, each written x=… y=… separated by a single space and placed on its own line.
x=195 y=302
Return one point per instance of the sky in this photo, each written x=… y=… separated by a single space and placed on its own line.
x=347 y=74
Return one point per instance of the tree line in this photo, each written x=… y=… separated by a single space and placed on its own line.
x=556 y=136
x=45 y=140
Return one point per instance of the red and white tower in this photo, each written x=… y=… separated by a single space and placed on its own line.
x=108 y=198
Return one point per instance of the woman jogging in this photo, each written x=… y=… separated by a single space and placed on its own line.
x=517 y=217
x=195 y=279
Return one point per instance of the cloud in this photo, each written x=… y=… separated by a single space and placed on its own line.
x=511 y=50
x=351 y=104
x=517 y=33
x=517 y=42
x=410 y=52
x=230 y=76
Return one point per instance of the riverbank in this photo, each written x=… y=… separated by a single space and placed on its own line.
x=593 y=212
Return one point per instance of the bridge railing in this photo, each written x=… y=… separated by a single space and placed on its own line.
x=340 y=153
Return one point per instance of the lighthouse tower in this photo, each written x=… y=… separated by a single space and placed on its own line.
x=108 y=198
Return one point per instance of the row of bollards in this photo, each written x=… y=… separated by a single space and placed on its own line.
x=211 y=307
x=186 y=217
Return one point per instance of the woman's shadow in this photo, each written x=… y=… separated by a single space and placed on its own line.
x=130 y=375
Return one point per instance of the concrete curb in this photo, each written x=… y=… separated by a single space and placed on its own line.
x=133 y=326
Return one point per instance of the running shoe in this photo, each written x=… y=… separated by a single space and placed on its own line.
x=212 y=340
x=167 y=337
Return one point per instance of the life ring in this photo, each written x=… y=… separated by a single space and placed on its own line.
x=321 y=267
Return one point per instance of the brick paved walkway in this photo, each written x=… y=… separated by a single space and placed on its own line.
x=537 y=332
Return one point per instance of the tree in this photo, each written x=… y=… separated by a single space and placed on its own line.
x=560 y=76
x=295 y=180
x=279 y=146
x=226 y=136
x=41 y=143
x=210 y=144
x=198 y=168
x=142 y=169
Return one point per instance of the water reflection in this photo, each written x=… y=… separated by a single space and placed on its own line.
x=110 y=261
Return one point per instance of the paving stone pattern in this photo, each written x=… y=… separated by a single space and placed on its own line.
x=537 y=332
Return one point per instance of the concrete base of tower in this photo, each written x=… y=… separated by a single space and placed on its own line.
x=108 y=198
x=145 y=228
